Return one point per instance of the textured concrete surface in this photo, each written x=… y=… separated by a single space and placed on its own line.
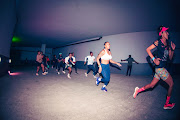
x=55 y=97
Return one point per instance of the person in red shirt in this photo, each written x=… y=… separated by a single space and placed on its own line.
x=48 y=61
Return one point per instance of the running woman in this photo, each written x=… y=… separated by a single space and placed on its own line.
x=165 y=50
x=91 y=60
x=69 y=62
x=104 y=68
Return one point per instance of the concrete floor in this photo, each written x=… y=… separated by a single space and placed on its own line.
x=55 y=97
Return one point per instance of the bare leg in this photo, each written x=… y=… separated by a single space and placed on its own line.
x=170 y=82
x=152 y=84
x=70 y=69
x=38 y=69
x=42 y=67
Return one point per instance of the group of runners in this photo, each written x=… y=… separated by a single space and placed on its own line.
x=165 y=49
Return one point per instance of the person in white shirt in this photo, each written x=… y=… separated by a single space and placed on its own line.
x=69 y=62
x=90 y=61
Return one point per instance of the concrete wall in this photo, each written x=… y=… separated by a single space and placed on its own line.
x=122 y=45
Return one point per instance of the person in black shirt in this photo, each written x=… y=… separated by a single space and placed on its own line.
x=130 y=61
x=165 y=50
x=54 y=62
x=60 y=61
x=74 y=65
x=44 y=62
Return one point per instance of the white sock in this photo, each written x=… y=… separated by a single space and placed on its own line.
x=99 y=79
x=104 y=86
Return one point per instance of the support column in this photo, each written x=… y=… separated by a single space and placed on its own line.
x=43 y=48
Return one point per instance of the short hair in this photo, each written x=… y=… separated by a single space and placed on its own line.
x=91 y=52
x=106 y=42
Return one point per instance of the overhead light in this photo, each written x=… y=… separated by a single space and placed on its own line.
x=82 y=41
x=0 y=59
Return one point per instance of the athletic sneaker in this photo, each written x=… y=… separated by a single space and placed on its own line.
x=76 y=72
x=104 y=89
x=37 y=74
x=43 y=73
x=58 y=73
x=85 y=74
x=63 y=72
x=169 y=106
x=46 y=72
x=94 y=76
x=69 y=76
x=97 y=81
x=135 y=92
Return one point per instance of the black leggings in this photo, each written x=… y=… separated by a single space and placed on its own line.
x=61 y=64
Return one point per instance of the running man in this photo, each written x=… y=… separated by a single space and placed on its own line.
x=61 y=63
x=129 y=67
x=90 y=61
x=39 y=63
x=74 y=60
x=44 y=62
x=69 y=62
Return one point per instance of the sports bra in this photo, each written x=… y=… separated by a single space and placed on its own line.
x=106 y=56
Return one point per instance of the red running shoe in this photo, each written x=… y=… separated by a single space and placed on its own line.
x=169 y=106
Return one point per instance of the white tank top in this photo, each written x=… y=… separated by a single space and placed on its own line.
x=106 y=56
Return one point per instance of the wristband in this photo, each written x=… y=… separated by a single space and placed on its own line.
x=99 y=65
x=153 y=58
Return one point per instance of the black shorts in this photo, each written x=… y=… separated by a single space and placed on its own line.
x=38 y=64
x=45 y=65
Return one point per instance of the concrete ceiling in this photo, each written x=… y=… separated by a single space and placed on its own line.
x=60 y=22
